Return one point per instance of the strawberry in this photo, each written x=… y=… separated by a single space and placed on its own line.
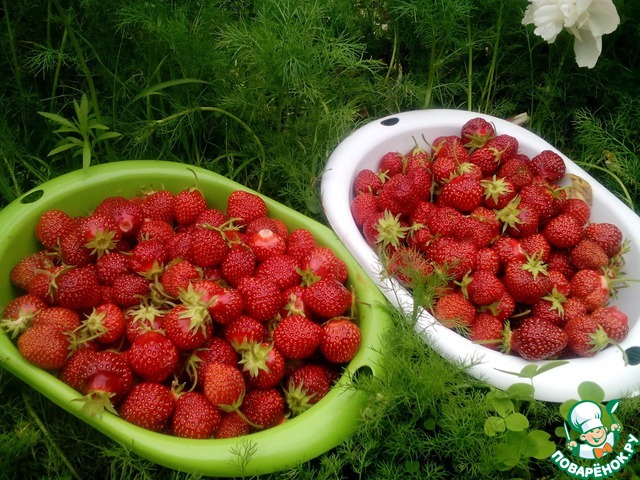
x=367 y=181
x=560 y=260
x=106 y=323
x=507 y=145
x=487 y=158
x=485 y=288
x=481 y=227
x=383 y=230
x=421 y=179
x=261 y=297
x=462 y=193
x=232 y=425
x=443 y=220
x=153 y=357
x=588 y=254
x=536 y=339
x=188 y=326
x=189 y=204
x=245 y=207
x=226 y=306
x=293 y=302
x=573 y=307
x=509 y=250
x=108 y=267
x=159 y=205
x=100 y=233
x=73 y=371
x=417 y=156
x=498 y=192
x=527 y=281
x=398 y=195
x=306 y=386
x=224 y=385
x=454 y=310
x=216 y=349
x=519 y=219
x=77 y=288
x=391 y=164
x=591 y=287
x=585 y=335
x=129 y=289
x=476 y=132
x=262 y=365
x=244 y=330
x=19 y=313
x=65 y=318
x=548 y=164
x=444 y=168
x=266 y=243
x=261 y=223
x=44 y=346
x=263 y=408
x=178 y=246
x=141 y=318
x=363 y=206
x=408 y=265
x=450 y=146
x=486 y=330
x=550 y=307
x=489 y=260
x=283 y=269
x=578 y=208
x=536 y=244
x=155 y=229
x=297 y=337
x=194 y=416
x=517 y=171
x=614 y=322
x=148 y=258
x=208 y=247
x=299 y=243
x=28 y=267
x=454 y=257
x=328 y=298
x=73 y=250
x=51 y=226
x=105 y=381
x=559 y=281
x=128 y=215
x=341 y=340
x=563 y=231
x=177 y=276
x=539 y=197
x=503 y=308
x=607 y=235
x=212 y=217
x=150 y=405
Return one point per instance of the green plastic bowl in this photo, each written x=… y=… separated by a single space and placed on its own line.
x=300 y=439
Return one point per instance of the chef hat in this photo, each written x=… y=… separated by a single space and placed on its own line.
x=585 y=416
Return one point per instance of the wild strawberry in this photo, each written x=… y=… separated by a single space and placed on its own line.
x=216 y=349
x=245 y=207
x=73 y=250
x=176 y=277
x=127 y=214
x=341 y=340
x=462 y=193
x=44 y=346
x=498 y=192
x=194 y=416
x=306 y=386
x=188 y=326
x=293 y=302
x=100 y=233
x=224 y=385
x=266 y=243
x=262 y=365
x=299 y=243
x=297 y=337
x=476 y=132
x=148 y=258
x=243 y=331
x=485 y=288
x=540 y=197
x=261 y=297
x=51 y=226
x=106 y=323
x=591 y=287
x=527 y=281
x=614 y=321
x=77 y=288
x=586 y=336
x=548 y=164
x=516 y=170
x=536 y=244
x=155 y=229
x=454 y=257
x=363 y=206
x=150 y=405
x=283 y=269
x=227 y=305
x=536 y=339
x=486 y=330
x=454 y=310
x=507 y=145
x=28 y=267
x=141 y=318
x=588 y=254
x=129 y=289
x=159 y=205
x=263 y=408
x=578 y=208
x=607 y=235
x=20 y=312
x=106 y=381
x=328 y=298
x=65 y=318
x=189 y=204
x=519 y=219
x=153 y=357
x=563 y=231
x=391 y=164
x=208 y=247
x=367 y=181
x=231 y=426
x=108 y=267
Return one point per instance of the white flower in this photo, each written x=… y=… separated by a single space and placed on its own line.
x=587 y=20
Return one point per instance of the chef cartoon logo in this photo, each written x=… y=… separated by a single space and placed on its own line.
x=592 y=434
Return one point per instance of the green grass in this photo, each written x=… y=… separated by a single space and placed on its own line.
x=262 y=92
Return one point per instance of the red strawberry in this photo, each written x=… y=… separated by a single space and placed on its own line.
x=224 y=385
x=527 y=281
x=106 y=323
x=306 y=386
x=486 y=330
x=382 y=230
x=188 y=326
x=573 y=307
x=231 y=426
x=261 y=297
x=536 y=244
x=148 y=258
x=340 y=340
x=591 y=287
x=159 y=205
x=100 y=233
x=77 y=288
x=539 y=197
x=177 y=276
x=217 y=349
x=563 y=231
x=487 y=158
x=519 y=219
x=367 y=181
x=454 y=310
x=20 y=312
x=548 y=164
x=245 y=207
x=266 y=243
x=297 y=337
x=129 y=289
x=155 y=229
x=578 y=208
x=462 y=193
x=208 y=247
x=66 y=319
x=444 y=168
x=127 y=214
x=485 y=288
x=212 y=217
x=106 y=381
x=244 y=330
x=509 y=250
x=299 y=243
x=262 y=365
x=226 y=306
x=489 y=260
x=516 y=170
x=51 y=226
x=263 y=408
x=536 y=339
x=149 y=405
x=607 y=235
x=503 y=308
x=178 y=246
x=28 y=267
x=421 y=178
x=391 y=164
x=189 y=204
x=398 y=195
x=476 y=132
x=560 y=260
x=293 y=302
x=614 y=321
x=153 y=357
x=73 y=250
x=195 y=417
x=141 y=318
x=507 y=145
x=585 y=336
x=363 y=206
x=283 y=269
x=588 y=254
x=454 y=257
x=328 y=298
x=550 y=307
x=498 y=192
x=73 y=371
x=407 y=264
x=450 y=146
x=108 y=267
x=44 y=346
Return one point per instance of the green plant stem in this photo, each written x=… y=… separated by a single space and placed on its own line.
x=47 y=435
x=487 y=94
x=14 y=63
x=394 y=52
x=56 y=75
x=627 y=197
x=431 y=75
x=263 y=156
x=469 y=67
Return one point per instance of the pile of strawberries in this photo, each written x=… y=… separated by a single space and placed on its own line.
x=182 y=318
x=525 y=270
